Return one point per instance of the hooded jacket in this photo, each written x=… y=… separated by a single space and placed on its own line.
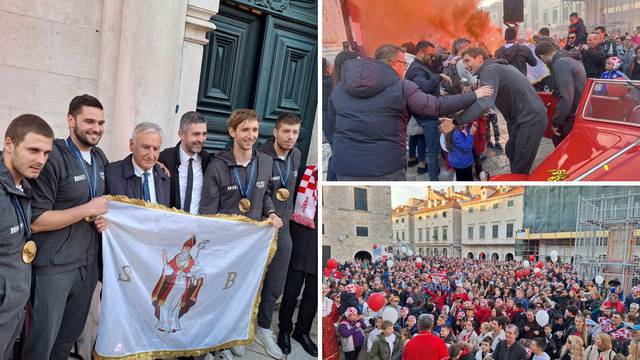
x=15 y=274
x=569 y=81
x=220 y=193
x=368 y=115
x=518 y=56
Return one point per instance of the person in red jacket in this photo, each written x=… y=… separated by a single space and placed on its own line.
x=614 y=303
x=425 y=346
x=460 y=294
x=438 y=297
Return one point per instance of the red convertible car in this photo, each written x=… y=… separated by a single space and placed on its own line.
x=604 y=144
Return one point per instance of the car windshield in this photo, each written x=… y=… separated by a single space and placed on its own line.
x=613 y=101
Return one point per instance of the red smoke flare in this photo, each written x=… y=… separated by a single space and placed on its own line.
x=441 y=22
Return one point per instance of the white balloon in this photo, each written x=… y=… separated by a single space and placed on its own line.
x=542 y=318
x=525 y=263
x=390 y=314
x=410 y=253
x=403 y=248
x=389 y=263
x=419 y=259
x=536 y=270
x=553 y=255
x=599 y=279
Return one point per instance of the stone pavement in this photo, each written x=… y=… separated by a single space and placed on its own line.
x=496 y=162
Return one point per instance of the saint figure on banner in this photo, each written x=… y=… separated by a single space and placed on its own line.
x=177 y=289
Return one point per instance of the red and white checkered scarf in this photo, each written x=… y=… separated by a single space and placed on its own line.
x=307 y=199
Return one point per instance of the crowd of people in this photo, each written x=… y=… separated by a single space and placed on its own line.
x=53 y=192
x=445 y=103
x=459 y=308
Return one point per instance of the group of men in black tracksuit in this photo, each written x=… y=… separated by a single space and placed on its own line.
x=50 y=248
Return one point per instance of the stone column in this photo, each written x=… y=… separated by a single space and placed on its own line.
x=197 y=25
x=139 y=67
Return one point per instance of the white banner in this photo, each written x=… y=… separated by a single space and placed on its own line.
x=176 y=284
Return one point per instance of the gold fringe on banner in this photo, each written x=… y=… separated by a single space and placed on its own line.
x=150 y=355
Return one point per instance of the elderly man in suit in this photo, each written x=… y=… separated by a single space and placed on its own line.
x=139 y=176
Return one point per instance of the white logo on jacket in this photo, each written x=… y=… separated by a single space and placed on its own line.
x=15 y=229
x=79 y=178
x=260 y=184
x=232 y=187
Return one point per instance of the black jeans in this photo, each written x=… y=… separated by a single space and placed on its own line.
x=465 y=174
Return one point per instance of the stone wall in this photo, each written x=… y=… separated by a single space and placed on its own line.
x=340 y=220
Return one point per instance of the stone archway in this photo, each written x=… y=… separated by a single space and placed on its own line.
x=363 y=255
x=470 y=255
x=428 y=251
x=495 y=257
x=509 y=257
x=436 y=252
x=444 y=252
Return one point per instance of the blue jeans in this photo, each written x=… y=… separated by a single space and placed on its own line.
x=432 y=142
x=416 y=142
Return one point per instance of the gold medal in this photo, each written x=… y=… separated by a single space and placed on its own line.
x=244 y=205
x=90 y=219
x=282 y=194
x=29 y=251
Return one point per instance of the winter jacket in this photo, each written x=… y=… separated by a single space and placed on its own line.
x=518 y=56
x=428 y=83
x=593 y=61
x=581 y=32
x=381 y=350
x=351 y=335
x=368 y=114
x=461 y=155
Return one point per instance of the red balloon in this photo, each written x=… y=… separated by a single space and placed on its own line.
x=419 y=265
x=332 y=264
x=384 y=257
x=540 y=265
x=519 y=274
x=532 y=258
x=327 y=272
x=338 y=275
x=358 y=290
x=538 y=274
x=527 y=272
x=376 y=301
x=375 y=246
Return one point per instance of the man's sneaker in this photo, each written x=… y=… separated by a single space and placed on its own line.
x=238 y=350
x=422 y=170
x=490 y=145
x=265 y=339
x=412 y=163
x=223 y=355
x=499 y=147
x=484 y=176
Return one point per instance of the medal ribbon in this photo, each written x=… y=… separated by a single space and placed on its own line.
x=245 y=191
x=93 y=183
x=18 y=206
x=283 y=179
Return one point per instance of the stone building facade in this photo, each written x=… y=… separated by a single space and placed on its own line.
x=354 y=219
x=148 y=61
x=490 y=222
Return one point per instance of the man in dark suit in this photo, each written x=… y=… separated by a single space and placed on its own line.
x=139 y=176
x=187 y=162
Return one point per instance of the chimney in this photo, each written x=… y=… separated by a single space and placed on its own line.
x=450 y=191
x=428 y=194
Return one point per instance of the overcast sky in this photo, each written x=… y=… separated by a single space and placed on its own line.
x=400 y=194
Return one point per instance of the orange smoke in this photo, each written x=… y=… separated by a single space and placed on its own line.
x=439 y=21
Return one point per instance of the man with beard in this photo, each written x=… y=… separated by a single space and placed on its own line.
x=517 y=100
x=27 y=144
x=569 y=81
x=139 y=176
x=286 y=161
x=428 y=83
x=67 y=198
x=187 y=162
